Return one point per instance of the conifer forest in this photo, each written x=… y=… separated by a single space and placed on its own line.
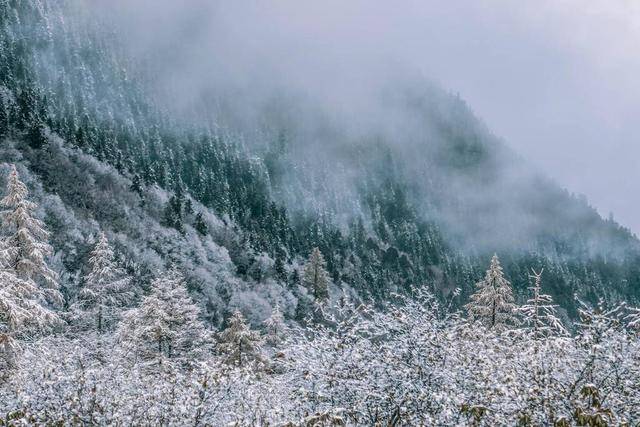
x=186 y=244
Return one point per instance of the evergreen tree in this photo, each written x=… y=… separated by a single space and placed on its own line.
x=166 y=325
x=188 y=206
x=27 y=284
x=106 y=287
x=36 y=135
x=275 y=327
x=279 y=270
x=238 y=343
x=25 y=248
x=493 y=304
x=137 y=186
x=4 y=117
x=304 y=305
x=22 y=306
x=173 y=215
x=539 y=312
x=200 y=225
x=315 y=276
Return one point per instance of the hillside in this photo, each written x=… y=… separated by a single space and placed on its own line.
x=421 y=199
x=273 y=257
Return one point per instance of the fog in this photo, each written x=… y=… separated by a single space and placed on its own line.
x=556 y=80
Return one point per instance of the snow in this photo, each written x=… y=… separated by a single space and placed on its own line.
x=155 y=360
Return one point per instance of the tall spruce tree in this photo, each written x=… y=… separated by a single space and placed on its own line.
x=539 y=313
x=238 y=343
x=106 y=288
x=166 y=325
x=315 y=276
x=27 y=285
x=493 y=304
x=174 y=214
x=275 y=327
x=25 y=247
x=200 y=224
x=137 y=185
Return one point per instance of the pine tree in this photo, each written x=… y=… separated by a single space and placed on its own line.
x=137 y=186
x=238 y=343
x=26 y=248
x=166 y=325
x=315 y=276
x=4 y=117
x=27 y=284
x=22 y=306
x=173 y=214
x=106 y=287
x=539 y=313
x=304 y=305
x=275 y=327
x=36 y=135
x=279 y=270
x=493 y=304
x=200 y=225
x=188 y=206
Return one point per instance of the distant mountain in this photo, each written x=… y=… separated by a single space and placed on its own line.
x=422 y=194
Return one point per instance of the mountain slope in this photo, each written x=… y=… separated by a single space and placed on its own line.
x=420 y=198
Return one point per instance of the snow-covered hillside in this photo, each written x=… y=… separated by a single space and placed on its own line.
x=285 y=264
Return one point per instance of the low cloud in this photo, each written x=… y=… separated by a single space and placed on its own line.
x=556 y=80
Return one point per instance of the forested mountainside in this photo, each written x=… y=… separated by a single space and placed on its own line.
x=424 y=200
x=279 y=263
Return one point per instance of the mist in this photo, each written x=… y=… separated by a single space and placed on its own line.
x=555 y=80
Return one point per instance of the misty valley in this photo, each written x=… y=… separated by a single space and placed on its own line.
x=189 y=237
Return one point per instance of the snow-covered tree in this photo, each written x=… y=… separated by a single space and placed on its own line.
x=238 y=343
x=106 y=288
x=315 y=276
x=25 y=248
x=539 y=313
x=275 y=327
x=493 y=304
x=27 y=284
x=166 y=324
x=22 y=306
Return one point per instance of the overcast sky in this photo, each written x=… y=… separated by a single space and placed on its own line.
x=558 y=80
